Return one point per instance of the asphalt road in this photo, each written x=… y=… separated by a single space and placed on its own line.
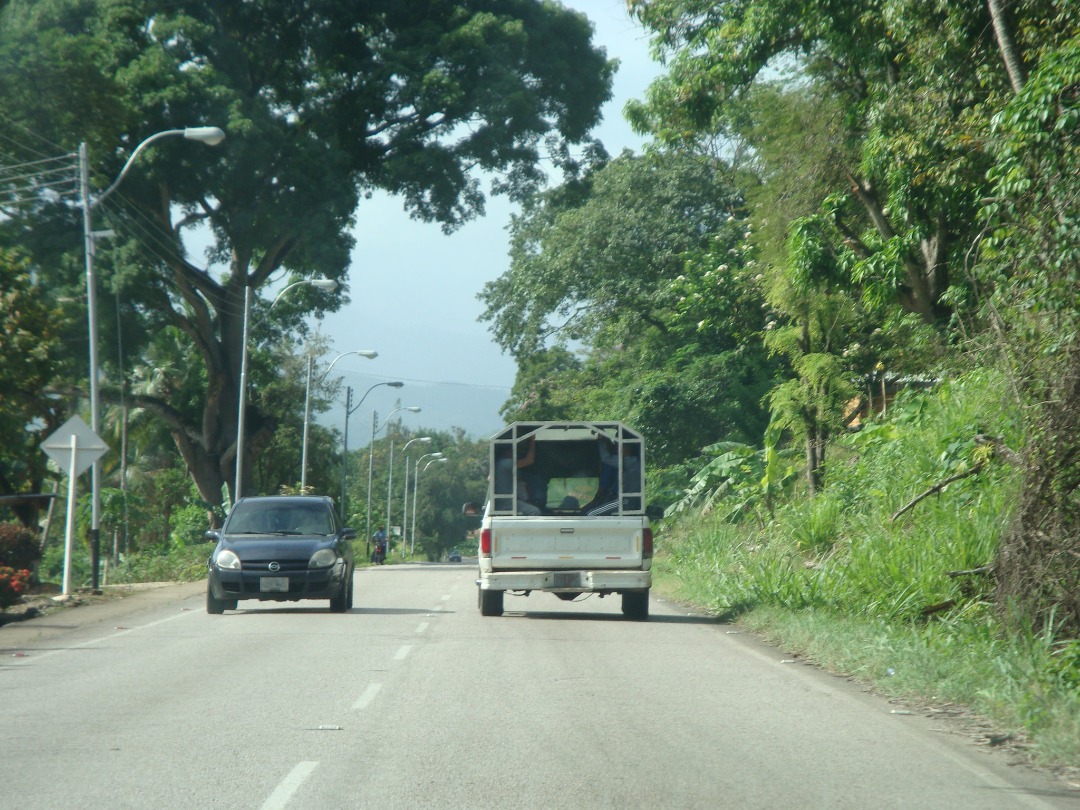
x=413 y=700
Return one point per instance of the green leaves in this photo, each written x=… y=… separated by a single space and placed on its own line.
x=740 y=479
x=34 y=364
x=321 y=100
x=592 y=260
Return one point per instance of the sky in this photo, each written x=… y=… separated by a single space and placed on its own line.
x=413 y=289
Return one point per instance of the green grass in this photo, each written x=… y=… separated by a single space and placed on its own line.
x=182 y=564
x=1027 y=686
x=839 y=580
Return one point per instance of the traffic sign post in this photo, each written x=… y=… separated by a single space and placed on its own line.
x=75 y=447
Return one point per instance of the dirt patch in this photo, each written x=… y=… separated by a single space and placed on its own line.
x=44 y=600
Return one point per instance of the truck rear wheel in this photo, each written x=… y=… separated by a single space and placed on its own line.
x=635 y=605
x=491 y=602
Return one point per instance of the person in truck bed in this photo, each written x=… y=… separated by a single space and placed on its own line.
x=531 y=487
x=608 y=491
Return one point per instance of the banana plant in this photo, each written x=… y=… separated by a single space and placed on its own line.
x=739 y=478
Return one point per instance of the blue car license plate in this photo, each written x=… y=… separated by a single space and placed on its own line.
x=274 y=584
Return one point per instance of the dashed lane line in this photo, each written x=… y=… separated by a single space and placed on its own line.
x=368 y=696
x=289 y=785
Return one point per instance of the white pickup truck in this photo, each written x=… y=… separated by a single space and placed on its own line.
x=564 y=516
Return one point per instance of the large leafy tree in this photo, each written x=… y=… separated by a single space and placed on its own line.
x=1032 y=265
x=916 y=82
x=32 y=406
x=591 y=260
x=322 y=101
x=642 y=266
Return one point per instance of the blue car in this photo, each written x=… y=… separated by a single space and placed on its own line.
x=281 y=549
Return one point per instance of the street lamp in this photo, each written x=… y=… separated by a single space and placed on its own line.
x=370 y=355
x=416 y=488
x=405 y=495
x=416 y=478
x=208 y=135
x=390 y=475
x=350 y=409
x=323 y=284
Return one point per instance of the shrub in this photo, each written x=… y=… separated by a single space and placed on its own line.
x=18 y=548
x=12 y=585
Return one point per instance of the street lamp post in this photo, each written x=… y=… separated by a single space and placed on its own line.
x=416 y=488
x=350 y=409
x=208 y=135
x=405 y=495
x=323 y=284
x=390 y=469
x=370 y=355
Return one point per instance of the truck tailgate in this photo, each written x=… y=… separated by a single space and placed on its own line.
x=521 y=543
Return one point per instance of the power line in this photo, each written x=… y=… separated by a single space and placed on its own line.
x=430 y=382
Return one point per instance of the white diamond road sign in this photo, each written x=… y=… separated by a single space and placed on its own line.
x=74 y=436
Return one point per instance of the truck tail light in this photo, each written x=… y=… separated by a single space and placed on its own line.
x=485 y=542
x=646 y=543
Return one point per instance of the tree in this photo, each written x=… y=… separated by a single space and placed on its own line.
x=322 y=100
x=641 y=264
x=543 y=387
x=33 y=363
x=443 y=488
x=594 y=254
x=914 y=82
x=1030 y=268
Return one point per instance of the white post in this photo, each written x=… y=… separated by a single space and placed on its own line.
x=69 y=531
x=405 y=506
x=415 y=495
x=370 y=467
x=389 y=489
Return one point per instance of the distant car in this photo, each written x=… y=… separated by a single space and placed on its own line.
x=454 y=556
x=281 y=549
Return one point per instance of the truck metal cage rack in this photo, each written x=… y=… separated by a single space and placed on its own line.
x=567 y=468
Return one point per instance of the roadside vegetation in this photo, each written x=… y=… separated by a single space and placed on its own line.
x=871 y=581
x=837 y=292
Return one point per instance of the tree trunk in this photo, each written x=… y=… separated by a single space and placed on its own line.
x=926 y=275
x=1010 y=52
x=811 y=464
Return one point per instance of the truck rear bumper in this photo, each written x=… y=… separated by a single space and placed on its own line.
x=566 y=581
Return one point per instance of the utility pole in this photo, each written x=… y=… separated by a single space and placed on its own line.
x=345 y=454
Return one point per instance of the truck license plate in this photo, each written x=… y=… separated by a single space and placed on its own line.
x=274 y=584
x=567 y=579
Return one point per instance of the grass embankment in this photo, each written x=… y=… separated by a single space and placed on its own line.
x=845 y=582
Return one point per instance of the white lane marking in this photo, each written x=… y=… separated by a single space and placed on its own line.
x=289 y=785
x=32 y=656
x=420 y=628
x=402 y=652
x=446 y=598
x=368 y=696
